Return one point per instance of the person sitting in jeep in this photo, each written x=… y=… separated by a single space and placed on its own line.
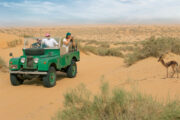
x=37 y=44
x=68 y=41
x=49 y=42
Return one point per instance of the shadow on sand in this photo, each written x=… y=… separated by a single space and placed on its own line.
x=38 y=81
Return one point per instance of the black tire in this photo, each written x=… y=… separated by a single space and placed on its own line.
x=72 y=70
x=47 y=80
x=15 y=81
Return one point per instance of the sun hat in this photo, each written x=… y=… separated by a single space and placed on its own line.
x=47 y=35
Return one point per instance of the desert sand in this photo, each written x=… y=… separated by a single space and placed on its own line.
x=32 y=101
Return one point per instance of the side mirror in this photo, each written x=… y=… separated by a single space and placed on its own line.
x=10 y=54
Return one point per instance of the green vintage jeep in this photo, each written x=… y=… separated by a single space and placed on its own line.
x=43 y=62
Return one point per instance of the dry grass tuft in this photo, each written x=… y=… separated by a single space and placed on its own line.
x=119 y=105
x=14 y=43
x=3 y=66
x=153 y=47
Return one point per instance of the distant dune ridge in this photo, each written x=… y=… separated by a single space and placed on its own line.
x=100 y=32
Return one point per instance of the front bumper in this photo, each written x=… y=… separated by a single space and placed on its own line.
x=27 y=72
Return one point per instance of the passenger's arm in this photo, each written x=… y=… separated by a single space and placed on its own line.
x=66 y=42
x=55 y=42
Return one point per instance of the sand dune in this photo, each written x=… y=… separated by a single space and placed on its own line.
x=32 y=101
x=7 y=38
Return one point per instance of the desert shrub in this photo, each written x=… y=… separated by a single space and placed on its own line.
x=171 y=111
x=154 y=47
x=2 y=63
x=121 y=43
x=27 y=35
x=127 y=48
x=80 y=104
x=114 y=52
x=14 y=43
x=98 y=43
x=105 y=45
x=102 y=51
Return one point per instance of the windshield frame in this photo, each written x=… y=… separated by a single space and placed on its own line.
x=58 y=39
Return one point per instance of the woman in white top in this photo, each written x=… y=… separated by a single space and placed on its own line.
x=68 y=41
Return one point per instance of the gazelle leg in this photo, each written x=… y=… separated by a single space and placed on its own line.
x=177 y=72
x=167 y=73
x=173 y=71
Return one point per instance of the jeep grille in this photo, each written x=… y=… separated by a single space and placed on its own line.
x=30 y=61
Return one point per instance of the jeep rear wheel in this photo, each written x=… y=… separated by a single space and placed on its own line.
x=15 y=81
x=50 y=79
x=72 y=70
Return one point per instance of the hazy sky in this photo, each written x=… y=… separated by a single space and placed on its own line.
x=58 y=12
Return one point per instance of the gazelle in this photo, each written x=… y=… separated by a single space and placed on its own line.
x=172 y=64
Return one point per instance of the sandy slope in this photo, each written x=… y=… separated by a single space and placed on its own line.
x=5 y=38
x=32 y=101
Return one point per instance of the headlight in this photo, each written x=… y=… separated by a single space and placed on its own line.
x=36 y=60
x=22 y=60
x=13 y=66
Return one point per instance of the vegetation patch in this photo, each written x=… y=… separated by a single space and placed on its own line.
x=27 y=36
x=134 y=51
x=101 y=48
x=102 y=51
x=154 y=47
x=80 y=104
x=14 y=43
x=3 y=66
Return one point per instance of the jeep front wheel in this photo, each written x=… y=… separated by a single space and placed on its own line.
x=72 y=70
x=50 y=79
x=15 y=81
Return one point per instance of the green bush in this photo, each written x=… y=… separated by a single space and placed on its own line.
x=80 y=104
x=154 y=47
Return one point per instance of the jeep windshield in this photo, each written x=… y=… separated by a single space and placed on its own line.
x=37 y=43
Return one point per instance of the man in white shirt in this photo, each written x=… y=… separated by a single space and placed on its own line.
x=49 y=42
x=68 y=41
